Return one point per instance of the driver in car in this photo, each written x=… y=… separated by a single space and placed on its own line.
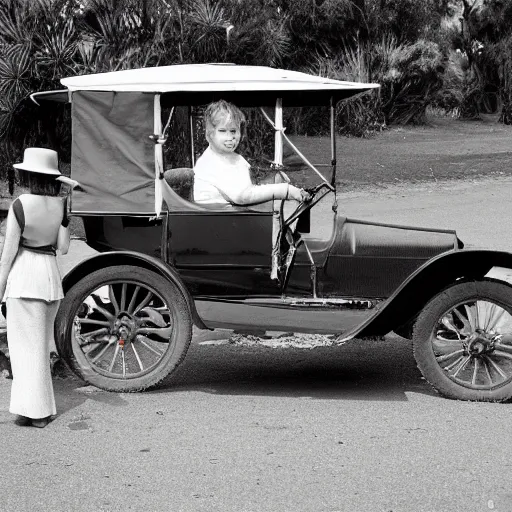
x=221 y=175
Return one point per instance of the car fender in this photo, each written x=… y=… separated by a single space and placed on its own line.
x=427 y=281
x=112 y=258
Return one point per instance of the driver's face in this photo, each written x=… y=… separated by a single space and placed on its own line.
x=224 y=137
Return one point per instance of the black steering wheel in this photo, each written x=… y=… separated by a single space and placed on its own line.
x=310 y=202
x=313 y=191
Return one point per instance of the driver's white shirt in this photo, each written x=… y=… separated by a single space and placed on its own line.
x=213 y=172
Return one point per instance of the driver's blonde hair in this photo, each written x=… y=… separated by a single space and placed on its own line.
x=222 y=111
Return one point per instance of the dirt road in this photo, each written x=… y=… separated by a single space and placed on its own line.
x=248 y=428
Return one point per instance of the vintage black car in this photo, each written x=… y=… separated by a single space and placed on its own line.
x=167 y=263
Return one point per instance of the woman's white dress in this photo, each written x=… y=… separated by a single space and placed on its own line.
x=32 y=296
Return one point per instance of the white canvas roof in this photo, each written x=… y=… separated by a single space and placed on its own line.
x=209 y=78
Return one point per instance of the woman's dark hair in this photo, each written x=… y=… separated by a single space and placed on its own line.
x=39 y=184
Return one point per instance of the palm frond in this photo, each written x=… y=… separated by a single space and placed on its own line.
x=56 y=50
x=15 y=74
x=275 y=43
x=8 y=107
x=12 y=50
x=339 y=8
x=206 y=14
x=16 y=20
x=207 y=34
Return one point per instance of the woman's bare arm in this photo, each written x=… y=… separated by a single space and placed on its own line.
x=10 y=249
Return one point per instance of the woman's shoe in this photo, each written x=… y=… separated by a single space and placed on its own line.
x=41 y=422
x=22 y=421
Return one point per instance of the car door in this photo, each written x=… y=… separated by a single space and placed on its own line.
x=223 y=250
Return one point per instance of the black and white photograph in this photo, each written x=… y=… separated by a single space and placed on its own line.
x=256 y=255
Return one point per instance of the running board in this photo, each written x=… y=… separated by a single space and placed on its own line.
x=322 y=316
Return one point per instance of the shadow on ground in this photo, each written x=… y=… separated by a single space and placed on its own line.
x=358 y=370
x=373 y=370
x=71 y=392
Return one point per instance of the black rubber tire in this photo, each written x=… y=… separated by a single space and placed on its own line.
x=498 y=293
x=178 y=344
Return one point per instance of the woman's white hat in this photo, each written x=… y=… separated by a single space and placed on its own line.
x=43 y=161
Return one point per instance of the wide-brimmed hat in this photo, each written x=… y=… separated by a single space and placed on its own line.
x=43 y=161
x=40 y=160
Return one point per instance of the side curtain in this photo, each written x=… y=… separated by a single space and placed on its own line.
x=112 y=156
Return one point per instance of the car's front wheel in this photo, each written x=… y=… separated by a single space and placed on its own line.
x=123 y=328
x=462 y=341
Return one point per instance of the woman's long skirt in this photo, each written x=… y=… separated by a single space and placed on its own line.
x=30 y=324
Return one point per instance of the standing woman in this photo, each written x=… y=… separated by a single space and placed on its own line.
x=30 y=283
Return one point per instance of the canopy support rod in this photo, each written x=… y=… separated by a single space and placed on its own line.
x=333 y=142
x=159 y=154
x=278 y=137
x=292 y=145
x=191 y=130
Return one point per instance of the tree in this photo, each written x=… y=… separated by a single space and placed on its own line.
x=494 y=30
x=38 y=42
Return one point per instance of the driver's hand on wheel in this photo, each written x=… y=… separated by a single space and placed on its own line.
x=299 y=194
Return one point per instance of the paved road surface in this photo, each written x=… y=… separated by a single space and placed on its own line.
x=243 y=428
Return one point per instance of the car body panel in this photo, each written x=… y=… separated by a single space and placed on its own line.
x=137 y=259
x=220 y=239
x=123 y=233
x=372 y=260
x=430 y=279
x=222 y=258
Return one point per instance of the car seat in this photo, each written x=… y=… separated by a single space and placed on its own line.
x=181 y=180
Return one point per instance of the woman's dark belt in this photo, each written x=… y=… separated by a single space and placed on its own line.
x=43 y=249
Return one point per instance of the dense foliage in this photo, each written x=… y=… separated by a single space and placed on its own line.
x=452 y=54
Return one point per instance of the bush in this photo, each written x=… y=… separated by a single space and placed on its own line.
x=410 y=76
x=358 y=116
x=450 y=96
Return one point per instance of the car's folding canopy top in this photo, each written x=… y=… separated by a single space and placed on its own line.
x=189 y=84
x=209 y=77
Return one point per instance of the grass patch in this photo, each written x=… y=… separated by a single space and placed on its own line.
x=445 y=149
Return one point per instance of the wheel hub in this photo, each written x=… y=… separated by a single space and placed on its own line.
x=125 y=328
x=479 y=344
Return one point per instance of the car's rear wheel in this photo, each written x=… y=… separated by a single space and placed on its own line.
x=123 y=328
x=462 y=341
